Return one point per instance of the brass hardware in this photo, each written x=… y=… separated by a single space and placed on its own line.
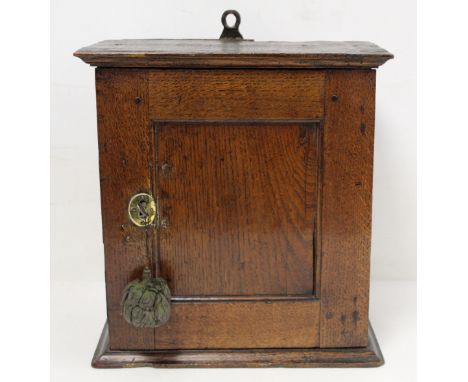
x=142 y=210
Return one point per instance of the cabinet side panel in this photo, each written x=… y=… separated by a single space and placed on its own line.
x=346 y=209
x=124 y=155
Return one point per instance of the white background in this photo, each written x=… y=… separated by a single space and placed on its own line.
x=76 y=251
x=25 y=244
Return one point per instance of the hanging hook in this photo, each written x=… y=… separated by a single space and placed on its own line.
x=231 y=32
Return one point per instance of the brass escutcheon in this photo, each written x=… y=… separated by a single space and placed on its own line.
x=142 y=209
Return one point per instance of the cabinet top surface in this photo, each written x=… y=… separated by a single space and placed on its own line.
x=231 y=54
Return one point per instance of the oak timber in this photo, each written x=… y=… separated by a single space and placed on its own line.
x=239 y=54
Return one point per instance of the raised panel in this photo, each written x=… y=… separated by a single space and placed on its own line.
x=239 y=204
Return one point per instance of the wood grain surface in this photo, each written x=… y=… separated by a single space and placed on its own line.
x=240 y=202
x=263 y=180
x=230 y=54
x=346 y=209
x=368 y=356
x=234 y=324
x=124 y=152
x=236 y=94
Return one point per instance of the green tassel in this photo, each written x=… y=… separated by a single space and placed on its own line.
x=146 y=303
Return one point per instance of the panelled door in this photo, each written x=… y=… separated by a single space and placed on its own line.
x=236 y=181
x=238 y=203
x=234 y=161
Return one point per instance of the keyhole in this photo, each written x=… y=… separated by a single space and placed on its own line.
x=142 y=209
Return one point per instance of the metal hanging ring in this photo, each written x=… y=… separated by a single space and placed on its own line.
x=236 y=15
x=231 y=32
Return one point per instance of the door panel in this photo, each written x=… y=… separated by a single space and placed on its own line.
x=238 y=203
x=233 y=159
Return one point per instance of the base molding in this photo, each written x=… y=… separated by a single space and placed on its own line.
x=369 y=356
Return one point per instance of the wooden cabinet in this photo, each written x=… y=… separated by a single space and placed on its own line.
x=259 y=159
